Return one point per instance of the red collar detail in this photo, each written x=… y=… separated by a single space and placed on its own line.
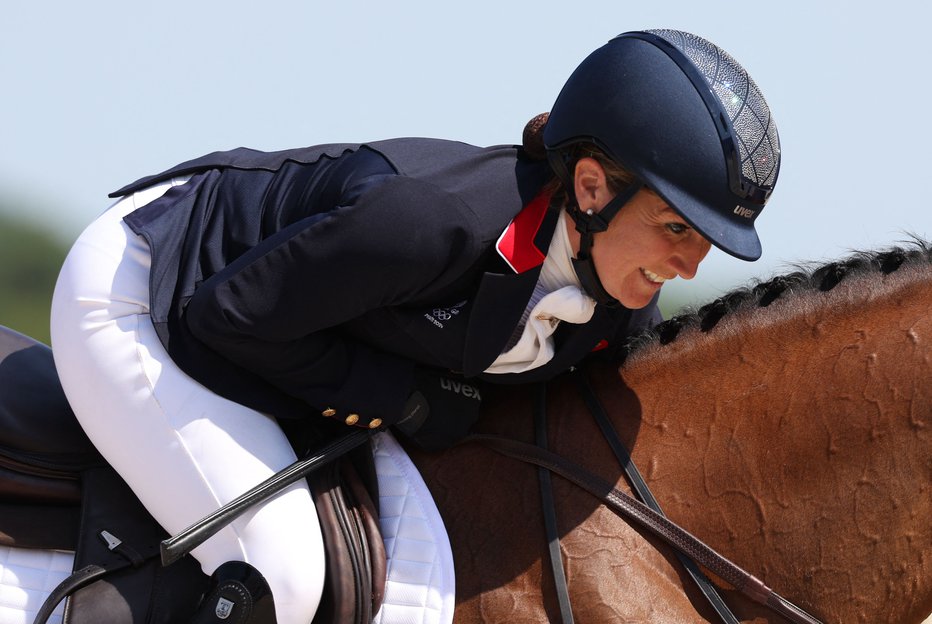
x=516 y=244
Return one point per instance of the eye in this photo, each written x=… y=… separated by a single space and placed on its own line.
x=677 y=228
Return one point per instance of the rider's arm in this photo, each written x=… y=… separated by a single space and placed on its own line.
x=277 y=309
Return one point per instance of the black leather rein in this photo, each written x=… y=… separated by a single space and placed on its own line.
x=691 y=551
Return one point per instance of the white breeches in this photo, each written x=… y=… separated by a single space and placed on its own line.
x=182 y=449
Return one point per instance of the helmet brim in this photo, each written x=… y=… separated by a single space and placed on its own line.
x=735 y=235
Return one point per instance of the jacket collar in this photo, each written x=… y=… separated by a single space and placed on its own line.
x=506 y=287
x=524 y=243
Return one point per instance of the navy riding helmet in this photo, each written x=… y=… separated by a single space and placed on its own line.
x=686 y=119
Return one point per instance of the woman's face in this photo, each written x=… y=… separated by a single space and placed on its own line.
x=646 y=244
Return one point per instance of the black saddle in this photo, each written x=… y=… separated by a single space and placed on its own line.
x=57 y=492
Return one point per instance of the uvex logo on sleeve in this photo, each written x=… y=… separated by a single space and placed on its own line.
x=460 y=387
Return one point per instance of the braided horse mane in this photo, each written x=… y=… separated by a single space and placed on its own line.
x=800 y=289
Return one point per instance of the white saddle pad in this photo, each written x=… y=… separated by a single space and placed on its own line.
x=420 y=584
x=27 y=577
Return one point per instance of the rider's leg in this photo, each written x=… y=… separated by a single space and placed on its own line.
x=182 y=449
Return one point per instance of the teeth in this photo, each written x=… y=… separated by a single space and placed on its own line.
x=653 y=277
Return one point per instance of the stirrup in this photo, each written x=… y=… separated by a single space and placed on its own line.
x=238 y=594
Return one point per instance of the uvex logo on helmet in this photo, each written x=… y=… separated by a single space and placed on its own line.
x=685 y=118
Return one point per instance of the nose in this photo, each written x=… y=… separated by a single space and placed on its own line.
x=686 y=262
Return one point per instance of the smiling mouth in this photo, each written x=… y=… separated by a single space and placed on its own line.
x=653 y=277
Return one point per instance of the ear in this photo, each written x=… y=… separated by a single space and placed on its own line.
x=590 y=185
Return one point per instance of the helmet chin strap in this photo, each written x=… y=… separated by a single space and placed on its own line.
x=588 y=224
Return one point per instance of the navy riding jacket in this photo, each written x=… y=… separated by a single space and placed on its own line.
x=317 y=278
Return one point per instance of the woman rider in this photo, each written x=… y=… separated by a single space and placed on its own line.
x=356 y=282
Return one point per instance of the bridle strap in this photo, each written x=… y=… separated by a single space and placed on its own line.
x=639 y=485
x=549 y=508
x=645 y=517
x=655 y=523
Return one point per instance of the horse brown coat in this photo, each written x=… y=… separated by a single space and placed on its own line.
x=786 y=425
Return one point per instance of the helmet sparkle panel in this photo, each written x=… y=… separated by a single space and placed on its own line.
x=757 y=141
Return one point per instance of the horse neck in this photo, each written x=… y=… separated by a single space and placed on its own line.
x=801 y=430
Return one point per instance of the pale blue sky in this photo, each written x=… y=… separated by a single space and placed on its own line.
x=96 y=94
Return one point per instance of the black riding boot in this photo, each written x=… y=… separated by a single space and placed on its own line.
x=238 y=594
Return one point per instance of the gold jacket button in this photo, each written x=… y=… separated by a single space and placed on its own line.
x=375 y=423
x=329 y=412
x=352 y=419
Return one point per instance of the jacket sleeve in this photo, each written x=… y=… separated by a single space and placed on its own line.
x=277 y=309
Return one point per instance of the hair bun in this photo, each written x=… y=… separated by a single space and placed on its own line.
x=533 y=138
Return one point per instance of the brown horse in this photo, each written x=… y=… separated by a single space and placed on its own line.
x=787 y=425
